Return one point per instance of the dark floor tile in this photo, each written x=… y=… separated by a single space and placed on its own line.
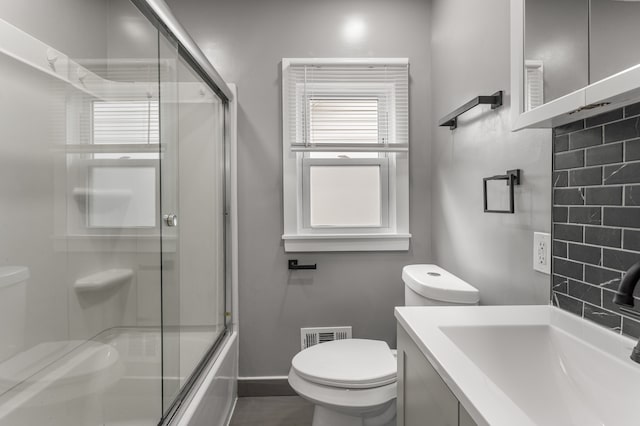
x=272 y=411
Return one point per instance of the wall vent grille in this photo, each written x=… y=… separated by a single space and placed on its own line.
x=315 y=335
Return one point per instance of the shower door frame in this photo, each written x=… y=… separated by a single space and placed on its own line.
x=159 y=14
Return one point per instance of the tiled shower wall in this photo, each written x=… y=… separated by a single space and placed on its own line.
x=596 y=215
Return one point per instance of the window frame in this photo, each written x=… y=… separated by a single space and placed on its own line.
x=381 y=162
x=393 y=234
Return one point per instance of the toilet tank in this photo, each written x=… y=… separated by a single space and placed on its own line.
x=13 y=305
x=430 y=285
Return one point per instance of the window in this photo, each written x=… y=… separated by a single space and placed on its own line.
x=345 y=151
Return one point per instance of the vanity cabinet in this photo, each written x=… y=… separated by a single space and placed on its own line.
x=424 y=399
x=572 y=59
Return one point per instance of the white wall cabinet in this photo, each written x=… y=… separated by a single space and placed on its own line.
x=590 y=98
x=424 y=399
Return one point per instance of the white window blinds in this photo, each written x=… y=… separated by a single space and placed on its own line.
x=346 y=107
x=126 y=122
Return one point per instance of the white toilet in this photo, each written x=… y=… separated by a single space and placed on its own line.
x=352 y=382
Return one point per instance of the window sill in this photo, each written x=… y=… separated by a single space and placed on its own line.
x=346 y=242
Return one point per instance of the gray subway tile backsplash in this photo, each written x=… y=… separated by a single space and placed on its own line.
x=618 y=259
x=604 y=196
x=627 y=217
x=569 y=196
x=585 y=138
x=631 y=110
x=569 y=160
x=622 y=173
x=632 y=195
x=585 y=177
x=585 y=215
x=596 y=215
x=632 y=240
x=632 y=150
x=607 y=117
x=622 y=130
x=607 y=154
x=600 y=236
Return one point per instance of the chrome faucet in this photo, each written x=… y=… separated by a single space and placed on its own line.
x=624 y=298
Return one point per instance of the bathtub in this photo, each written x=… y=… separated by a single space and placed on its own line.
x=114 y=379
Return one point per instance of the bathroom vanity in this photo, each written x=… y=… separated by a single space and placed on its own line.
x=512 y=365
x=422 y=394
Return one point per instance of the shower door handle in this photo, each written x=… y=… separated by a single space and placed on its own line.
x=171 y=220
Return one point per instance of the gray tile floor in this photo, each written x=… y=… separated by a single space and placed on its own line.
x=272 y=411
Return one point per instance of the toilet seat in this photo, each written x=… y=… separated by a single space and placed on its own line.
x=347 y=364
x=342 y=399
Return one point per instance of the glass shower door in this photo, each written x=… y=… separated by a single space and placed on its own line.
x=193 y=220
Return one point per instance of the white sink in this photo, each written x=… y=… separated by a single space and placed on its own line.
x=529 y=365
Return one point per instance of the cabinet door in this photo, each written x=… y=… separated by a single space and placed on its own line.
x=423 y=397
x=614 y=37
x=556 y=49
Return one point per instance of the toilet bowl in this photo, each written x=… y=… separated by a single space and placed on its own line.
x=352 y=382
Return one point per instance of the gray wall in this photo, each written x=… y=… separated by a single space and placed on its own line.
x=246 y=40
x=491 y=251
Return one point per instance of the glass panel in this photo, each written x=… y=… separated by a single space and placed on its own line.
x=80 y=248
x=556 y=50
x=122 y=197
x=193 y=252
x=614 y=37
x=345 y=196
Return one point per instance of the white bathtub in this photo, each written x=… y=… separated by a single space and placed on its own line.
x=114 y=379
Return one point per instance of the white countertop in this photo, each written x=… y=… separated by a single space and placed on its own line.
x=528 y=365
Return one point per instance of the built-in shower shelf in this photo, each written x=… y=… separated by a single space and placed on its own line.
x=103 y=280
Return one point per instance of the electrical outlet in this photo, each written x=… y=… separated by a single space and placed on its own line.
x=542 y=252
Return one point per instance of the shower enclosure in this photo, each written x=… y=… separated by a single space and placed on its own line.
x=113 y=222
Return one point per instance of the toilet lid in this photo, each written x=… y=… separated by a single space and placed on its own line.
x=348 y=363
